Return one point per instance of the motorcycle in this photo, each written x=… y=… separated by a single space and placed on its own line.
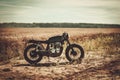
x=35 y=51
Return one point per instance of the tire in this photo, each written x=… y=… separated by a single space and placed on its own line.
x=26 y=52
x=68 y=53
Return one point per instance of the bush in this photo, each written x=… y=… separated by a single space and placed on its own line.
x=10 y=49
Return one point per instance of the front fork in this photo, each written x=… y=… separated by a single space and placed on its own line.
x=68 y=42
x=73 y=51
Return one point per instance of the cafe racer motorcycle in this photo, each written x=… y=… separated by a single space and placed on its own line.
x=35 y=51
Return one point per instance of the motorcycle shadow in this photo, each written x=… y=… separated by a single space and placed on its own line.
x=48 y=64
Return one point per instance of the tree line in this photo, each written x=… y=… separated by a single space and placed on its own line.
x=59 y=25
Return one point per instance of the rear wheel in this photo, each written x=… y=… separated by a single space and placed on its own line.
x=31 y=54
x=74 y=53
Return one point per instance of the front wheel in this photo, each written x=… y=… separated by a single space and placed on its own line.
x=74 y=53
x=31 y=55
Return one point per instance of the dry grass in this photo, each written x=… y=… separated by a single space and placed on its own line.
x=12 y=41
x=10 y=49
x=99 y=42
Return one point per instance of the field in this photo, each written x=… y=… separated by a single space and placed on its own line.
x=101 y=61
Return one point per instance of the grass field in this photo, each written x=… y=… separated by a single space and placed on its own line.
x=101 y=47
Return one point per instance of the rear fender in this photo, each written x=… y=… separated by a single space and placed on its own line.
x=36 y=43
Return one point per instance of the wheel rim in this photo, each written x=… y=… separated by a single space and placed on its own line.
x=74 y=55
x=32 y=54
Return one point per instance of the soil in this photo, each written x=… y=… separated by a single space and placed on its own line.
x=92 y=67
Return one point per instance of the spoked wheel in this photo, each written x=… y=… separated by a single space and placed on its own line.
x=31 y=55
x=74 y=53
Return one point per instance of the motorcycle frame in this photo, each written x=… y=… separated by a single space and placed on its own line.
x=46 y=52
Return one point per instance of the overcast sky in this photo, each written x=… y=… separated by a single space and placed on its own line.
x=76 y=11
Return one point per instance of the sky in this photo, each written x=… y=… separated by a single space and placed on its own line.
x=71 y=11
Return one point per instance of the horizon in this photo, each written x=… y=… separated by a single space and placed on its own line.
x=63 y=11
x=54 y=23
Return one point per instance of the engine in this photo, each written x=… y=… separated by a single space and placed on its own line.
x=55 y=47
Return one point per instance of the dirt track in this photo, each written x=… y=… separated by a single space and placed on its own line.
x=93 y=67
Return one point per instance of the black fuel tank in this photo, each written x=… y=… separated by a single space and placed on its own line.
x=55 y=39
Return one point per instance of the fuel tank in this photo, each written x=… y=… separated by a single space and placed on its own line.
x=55 y=39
